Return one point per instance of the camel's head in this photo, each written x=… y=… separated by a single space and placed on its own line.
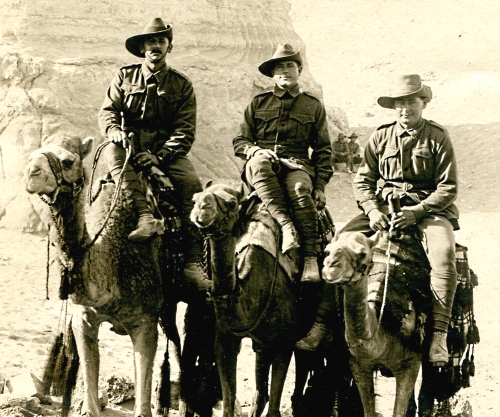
x=349 y=253
x=57 y=167
x=214 y=204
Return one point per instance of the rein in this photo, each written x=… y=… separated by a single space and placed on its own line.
x=75 y=189
x=274 y=281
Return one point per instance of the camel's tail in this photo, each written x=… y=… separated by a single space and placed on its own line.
x=61 y=369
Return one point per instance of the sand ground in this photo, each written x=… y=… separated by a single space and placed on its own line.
x=29 y=321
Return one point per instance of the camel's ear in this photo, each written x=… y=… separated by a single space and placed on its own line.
x=86 y=146
x=44 y=139
x=207 y=184
x=373 y=240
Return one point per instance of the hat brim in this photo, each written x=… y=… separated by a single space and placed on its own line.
x=135 y=43
x=388 y=101
x=267 y=67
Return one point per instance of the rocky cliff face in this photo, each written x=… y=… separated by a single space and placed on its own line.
x=57 y=59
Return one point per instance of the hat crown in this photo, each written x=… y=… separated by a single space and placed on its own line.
x=406 y=86
x=155 y=25
x=283 y=50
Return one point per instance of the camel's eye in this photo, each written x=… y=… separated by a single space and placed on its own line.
x=67 y=163
x=205 y=205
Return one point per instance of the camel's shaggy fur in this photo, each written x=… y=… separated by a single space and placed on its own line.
x=262 y=306
x=112 y=280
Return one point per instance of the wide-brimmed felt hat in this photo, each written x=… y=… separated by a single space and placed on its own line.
x=353 y=135
x=406 y=86
x=284 y=52
x=341 y=136
x=155 y=27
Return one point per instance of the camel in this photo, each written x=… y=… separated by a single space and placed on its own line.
x=109 y=279
x=253 y=298
x=391 y=341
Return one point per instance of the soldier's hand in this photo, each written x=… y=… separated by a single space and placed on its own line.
x=378 y=220
x=119 y=137
x=319 y=198
x=404 y=219
x=146 y=159
x=269 y=154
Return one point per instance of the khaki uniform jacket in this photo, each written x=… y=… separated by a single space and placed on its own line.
x=174 y=125
x=419 y=164
x=294 y=125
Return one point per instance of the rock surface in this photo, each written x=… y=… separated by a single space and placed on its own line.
x=57 y=59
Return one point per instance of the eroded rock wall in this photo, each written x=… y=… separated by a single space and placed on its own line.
x=57 y=59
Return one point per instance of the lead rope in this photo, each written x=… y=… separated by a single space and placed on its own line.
x=116 y=194
x=47 y=266
x=394 y=208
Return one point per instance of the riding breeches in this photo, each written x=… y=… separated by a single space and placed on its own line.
x=280 y=187
x=439 y=245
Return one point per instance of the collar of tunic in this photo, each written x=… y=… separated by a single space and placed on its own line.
x=280 y=92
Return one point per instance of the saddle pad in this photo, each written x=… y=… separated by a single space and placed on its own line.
x=262 y=230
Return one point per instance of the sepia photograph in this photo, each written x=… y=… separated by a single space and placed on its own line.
x=246 y=208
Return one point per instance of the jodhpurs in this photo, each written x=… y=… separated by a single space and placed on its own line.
x=439 y=245
x=185 y=180
x=280 y=188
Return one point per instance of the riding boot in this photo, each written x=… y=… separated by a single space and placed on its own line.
x=310 y=273
x=271 y=194
x=443 y=292
x=306 y=219
x=319 y=334
x=193 y=253
x=132 y=187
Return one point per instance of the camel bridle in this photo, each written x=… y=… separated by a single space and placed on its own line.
x=63 y=185
x=75 y=189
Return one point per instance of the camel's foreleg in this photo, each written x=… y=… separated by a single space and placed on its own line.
x=227 y=347
x=279 y=370
x=363 y=375
x=145 y=342
x=261 y=396
x=85 y=326
x=303 y=365
x=406 y=376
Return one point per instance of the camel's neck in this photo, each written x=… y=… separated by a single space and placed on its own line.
x=361 y=320
x=222 y=261
x=69 y=231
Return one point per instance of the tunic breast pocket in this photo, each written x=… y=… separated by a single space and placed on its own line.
x=389 y=162
x=422 y=160
x=133 y=99
x=169 y=103
x=266 y=123
x=303 y=124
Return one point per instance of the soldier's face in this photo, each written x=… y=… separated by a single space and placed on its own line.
x=156 y=48
x=409 y=111
x=286 y=74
